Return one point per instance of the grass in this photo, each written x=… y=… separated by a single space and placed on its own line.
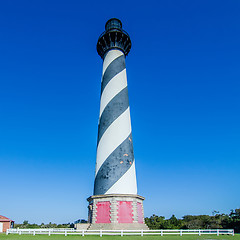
x=77 y=237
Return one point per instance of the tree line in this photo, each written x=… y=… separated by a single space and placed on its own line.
x=217 y=220
x=26 y=224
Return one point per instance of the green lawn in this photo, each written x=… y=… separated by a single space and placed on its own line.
x=76 y=237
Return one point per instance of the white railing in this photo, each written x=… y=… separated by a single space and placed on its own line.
x=71 y=231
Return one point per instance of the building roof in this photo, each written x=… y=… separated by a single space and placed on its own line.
x=5 y=219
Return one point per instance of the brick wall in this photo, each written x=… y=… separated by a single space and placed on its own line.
x=6 y=225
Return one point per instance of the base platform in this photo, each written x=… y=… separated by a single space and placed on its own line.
x=116 y=212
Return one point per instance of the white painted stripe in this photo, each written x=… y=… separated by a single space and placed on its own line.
x=111 y=55
x=127 y=184
x=116 y=133
x=116 y=84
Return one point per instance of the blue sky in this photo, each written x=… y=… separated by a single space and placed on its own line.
x=183 y=75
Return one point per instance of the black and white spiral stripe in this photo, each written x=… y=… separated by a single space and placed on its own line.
x=115 y=165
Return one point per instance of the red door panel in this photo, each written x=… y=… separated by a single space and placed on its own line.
x=125 y=212
x=103 y=212
x=140 y=213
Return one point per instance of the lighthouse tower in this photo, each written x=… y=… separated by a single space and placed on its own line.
x=115 y=203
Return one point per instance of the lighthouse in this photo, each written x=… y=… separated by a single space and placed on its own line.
x=115 y=203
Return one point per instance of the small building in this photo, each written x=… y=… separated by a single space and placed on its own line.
x=5 y=223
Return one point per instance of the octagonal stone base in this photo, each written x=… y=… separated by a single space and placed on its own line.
x=116 y=212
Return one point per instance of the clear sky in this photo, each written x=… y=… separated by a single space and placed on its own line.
x=184 y=82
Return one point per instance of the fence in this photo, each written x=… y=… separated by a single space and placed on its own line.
x=72 y=231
